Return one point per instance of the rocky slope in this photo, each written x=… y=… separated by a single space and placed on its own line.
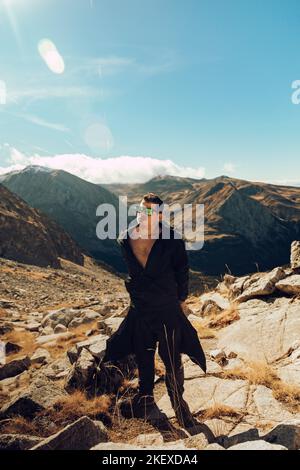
x=55 y=395
x=71 y=202
x=28 y=236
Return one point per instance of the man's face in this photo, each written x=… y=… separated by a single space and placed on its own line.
x=147 y=221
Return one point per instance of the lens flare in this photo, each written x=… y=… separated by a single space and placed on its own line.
x=98 y=137
x=51 y=56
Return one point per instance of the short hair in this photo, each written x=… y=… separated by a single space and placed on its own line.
x=154 y=199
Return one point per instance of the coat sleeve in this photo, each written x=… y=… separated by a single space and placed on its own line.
x=181 y=268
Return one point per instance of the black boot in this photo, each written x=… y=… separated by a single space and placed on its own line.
x=140 y=406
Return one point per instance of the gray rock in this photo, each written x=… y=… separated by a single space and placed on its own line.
x=212 y=301
x=98 y=342
x=275 y=325
x=260 y=284
x=203 y=393
x=257 y=445
x=286 y=434
x=60 y=328
x=33 y=326
x=39 y=396
x=57 y=369
x=40 y=356
x=17 y=441
x=47 y=331
x=15 y=367
x=289 y=285
x=110 y=325
x=61 y=316
x=82 y=371
x=80 y=435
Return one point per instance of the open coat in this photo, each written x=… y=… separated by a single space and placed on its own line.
x=155 y=294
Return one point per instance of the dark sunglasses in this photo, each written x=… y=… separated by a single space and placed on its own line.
x=145 y=210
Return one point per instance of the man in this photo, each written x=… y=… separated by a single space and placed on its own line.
x=158 y=279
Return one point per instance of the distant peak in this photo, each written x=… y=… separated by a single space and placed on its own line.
x=36 y=168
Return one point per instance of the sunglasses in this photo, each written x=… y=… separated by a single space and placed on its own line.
x=146 y=210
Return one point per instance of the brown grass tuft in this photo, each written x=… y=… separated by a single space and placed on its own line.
x=25 y=339
x=228 y=316
x=219 y=410
x=204 y=332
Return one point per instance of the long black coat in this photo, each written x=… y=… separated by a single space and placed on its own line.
x=155 y=292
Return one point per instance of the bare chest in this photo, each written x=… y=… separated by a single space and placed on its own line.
x=141 y=249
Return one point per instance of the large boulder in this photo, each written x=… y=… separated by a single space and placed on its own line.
x=80 y=435
x=289 y=285
x=15 y=367
x=286 y=434
x=260 y=284
x=266 y=330
x=212 y=302
x=41 y=395
x=40 y=356
x=202 y=393
x=69 y=317
x=80 y=375
x=96 y=345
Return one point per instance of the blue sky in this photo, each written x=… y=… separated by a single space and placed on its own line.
x=194 y=88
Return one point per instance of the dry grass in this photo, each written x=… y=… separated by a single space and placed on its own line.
x=64 y=412
x=25 y=339
x=77 y=404
x=3 y=313
x=287 y=394
x=261 y=373
x=124 y=430
x=222 y=319
x=256 y=372
x=18 y=425
x=62 y=344
x=203 y=331
x=219 y=410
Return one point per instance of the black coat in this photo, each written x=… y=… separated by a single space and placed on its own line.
x=155 y=292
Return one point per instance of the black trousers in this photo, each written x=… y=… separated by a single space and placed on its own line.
x=147 y=333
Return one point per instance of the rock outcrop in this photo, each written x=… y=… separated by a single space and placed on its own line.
x=28 y=236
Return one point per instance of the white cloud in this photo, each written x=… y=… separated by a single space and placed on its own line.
x=122 y=169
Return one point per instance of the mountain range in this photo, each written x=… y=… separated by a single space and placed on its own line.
x=248 y=226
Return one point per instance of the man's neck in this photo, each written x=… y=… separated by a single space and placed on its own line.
x=146 y=232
